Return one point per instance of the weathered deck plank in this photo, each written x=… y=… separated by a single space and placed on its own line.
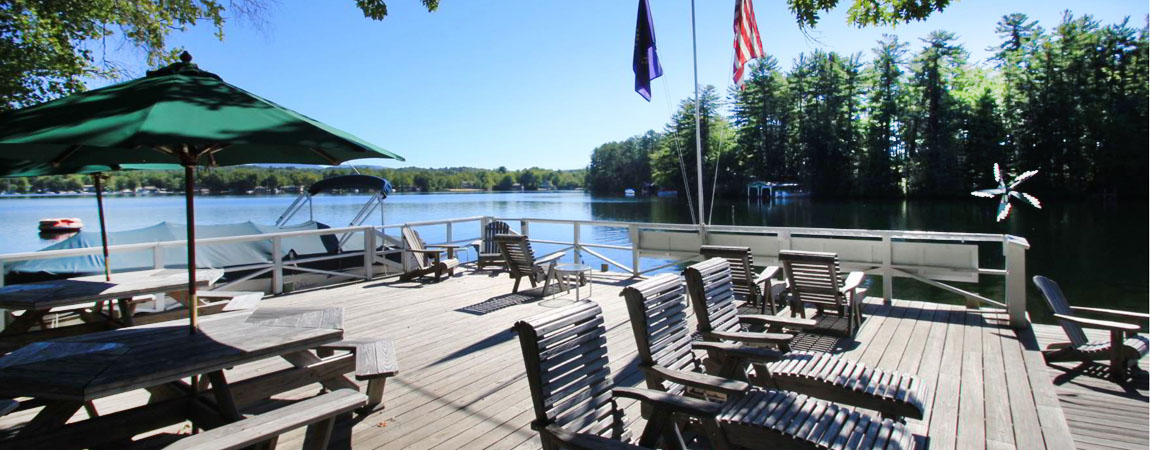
x=461 y=381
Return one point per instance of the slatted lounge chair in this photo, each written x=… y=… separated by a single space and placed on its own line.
x=565 y=354
x=814 y=278
x=817 y=374
x=486 y=249
x=1124 y=348
x=758 y=289
x=566 y=359
x=521 y=262
x=426 y=261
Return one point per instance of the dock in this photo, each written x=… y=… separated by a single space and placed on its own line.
x=462 y=384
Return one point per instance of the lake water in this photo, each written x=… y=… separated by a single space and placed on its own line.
x=1099 y=254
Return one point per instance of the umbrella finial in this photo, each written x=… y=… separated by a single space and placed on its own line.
x=185 y=57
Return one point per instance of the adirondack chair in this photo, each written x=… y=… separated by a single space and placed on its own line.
x=567 y=371
x=486 y=248
x=521 y=262
x=1124 y=348
x=565 y=354
x=658 y=317
x=815 y=278
x=426 y=260
x=758 y=289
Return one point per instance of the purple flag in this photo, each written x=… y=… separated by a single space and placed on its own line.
x=646 y=61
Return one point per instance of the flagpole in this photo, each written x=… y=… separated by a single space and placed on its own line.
x=698 y=119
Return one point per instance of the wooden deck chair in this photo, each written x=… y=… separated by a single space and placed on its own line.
x=814 y=278
x=758 y=289
x=1124 y=348
x=521 y=262
x=426 y=260
x=567 y=371
x=565 y=354
x=816 y=374
x=486 y=249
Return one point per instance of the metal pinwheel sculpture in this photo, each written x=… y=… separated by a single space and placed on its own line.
x=1007 y=190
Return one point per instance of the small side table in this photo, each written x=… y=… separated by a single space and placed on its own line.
x=581 y=274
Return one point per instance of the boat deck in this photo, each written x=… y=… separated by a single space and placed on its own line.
x=462 y=382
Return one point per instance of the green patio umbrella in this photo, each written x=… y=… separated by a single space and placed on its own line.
x=178 y=114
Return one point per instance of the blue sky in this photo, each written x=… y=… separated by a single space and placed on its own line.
x=523 y=83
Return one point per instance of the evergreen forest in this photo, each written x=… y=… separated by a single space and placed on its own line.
x=917 y=119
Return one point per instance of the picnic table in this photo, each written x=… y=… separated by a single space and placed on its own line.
x=36 y=300
x=66 y=374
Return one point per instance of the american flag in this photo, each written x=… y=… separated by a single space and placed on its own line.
x=748 y=46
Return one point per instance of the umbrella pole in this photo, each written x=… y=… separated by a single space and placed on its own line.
x=103 y=229
x=189 y=195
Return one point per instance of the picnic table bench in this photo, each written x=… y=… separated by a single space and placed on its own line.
x=64 y=374
x=87 y=295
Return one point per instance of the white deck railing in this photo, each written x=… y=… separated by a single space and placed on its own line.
x=925 y=256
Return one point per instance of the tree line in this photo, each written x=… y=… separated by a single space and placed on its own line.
x=1070 y=102
x=242 y=179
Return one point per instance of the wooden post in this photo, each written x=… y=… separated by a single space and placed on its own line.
x=157 y=257
x=277 y=266
x=633 y=231
x=887 y=270
x=1014 y=248
x=575 y=244
x=368 y=253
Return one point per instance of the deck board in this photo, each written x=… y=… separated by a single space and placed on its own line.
x=461 y=382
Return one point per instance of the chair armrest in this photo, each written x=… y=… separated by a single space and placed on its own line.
x=585 y=441
x=1113 y=313
x=549 y=258
x=753 y=354
x=700 y=380
x=776 y=321
x=425 y=250
x=753 y=338
x=853 y=281
x=675 y=404
x=1099 y=324
x=476 y=243
x=767 y=274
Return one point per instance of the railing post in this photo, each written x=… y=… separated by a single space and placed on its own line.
x=887 y=270
x=575 y=244
x=1014 y=248
x=784 y=240
x=277 y=266
x=368 y=253
x=157 y=257
x=449 y=238
x=633 y=231
x=523 y=228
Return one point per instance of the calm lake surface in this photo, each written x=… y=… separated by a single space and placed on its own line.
x=1099 y=254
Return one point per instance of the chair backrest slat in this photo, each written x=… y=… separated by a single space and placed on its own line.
x=741 y=262
x=712 y=292
x=814 y=277
x=493 y=229
x=415 y=243
x=517 y=253
x=1057 y=302
x=658 y=312
x=565 y=354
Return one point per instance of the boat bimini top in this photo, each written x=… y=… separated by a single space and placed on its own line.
x=379 y=187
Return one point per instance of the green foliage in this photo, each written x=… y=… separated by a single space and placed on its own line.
x=1071 y=103
x=242 y=179
x=50 y=47
x=867 y=12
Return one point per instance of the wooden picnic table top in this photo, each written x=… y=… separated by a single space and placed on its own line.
x=83 y=368
x=54 y=293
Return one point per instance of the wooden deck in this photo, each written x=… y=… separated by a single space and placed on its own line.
x=461 y=383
